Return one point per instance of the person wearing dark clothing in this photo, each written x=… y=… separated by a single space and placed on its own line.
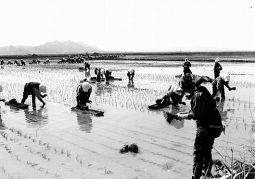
x=35 y=89
x=209 y=126
x=83 y=93
x=186 y=66
x=131 y=74
x=108 y=75
x=99 y=73
x=218 y=86
x=217 y=68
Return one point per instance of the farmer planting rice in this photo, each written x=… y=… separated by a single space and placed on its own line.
x=217 y=68
x=108 y=74
x=35 y=89
x=176 y=92
x=83 y=93
x=186 y=66
x=131 y=74
x=218 y=86
x=209 y=126
x=99 y=72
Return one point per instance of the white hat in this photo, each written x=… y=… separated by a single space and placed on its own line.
x=217 y=59
x=226 y=77
x=186 y=59
x=85 y=86
x=42 y=89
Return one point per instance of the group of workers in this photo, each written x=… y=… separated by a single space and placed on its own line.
x=203 y=110
x=83 y=90
x=203 y=106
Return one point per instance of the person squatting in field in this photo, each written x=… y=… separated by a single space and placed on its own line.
x=83 y=93
x=209 y=126
x=131 y=74
x=186 y=66
x=176 y=92
x=35 y=89
x=217 y=68
x=218 y=86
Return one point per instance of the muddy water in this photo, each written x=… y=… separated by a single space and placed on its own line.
x=83 y=146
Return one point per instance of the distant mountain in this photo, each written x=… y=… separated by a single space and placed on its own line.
x=55 y=47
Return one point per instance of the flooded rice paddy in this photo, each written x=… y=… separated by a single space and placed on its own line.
x=54 y=142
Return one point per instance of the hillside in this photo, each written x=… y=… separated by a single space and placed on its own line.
x=55 y=47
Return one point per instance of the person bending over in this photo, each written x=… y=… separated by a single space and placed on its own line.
x=131 y=74
x=35 y=89
x=83 y=93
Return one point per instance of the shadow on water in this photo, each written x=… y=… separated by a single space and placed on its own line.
x=84 y=122
x=131 y=84
x=36 y=117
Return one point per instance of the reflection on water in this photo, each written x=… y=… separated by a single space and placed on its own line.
x=178 y=124
x=84 y=122
x=36 y=117
x=2 y=125
x=131 y=84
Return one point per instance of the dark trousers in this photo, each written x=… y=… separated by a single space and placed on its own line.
x=202 y=154
x=130 y=76
x=186 y=70
x=175 y=98
x=216 y=74
x=25 y=95
x=83 y=97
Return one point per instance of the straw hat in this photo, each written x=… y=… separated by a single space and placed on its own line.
x=42 y=89
x=226 y=77
x=85 y=86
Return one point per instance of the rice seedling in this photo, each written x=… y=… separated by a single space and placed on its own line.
x=48 y=146
x=106 y=171
x=3 y=169
x=62 y=151
x=44 y=156
x=81 y=161
x=68 y=154
x=57 y=175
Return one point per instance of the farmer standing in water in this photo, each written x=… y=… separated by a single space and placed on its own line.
x=218 y=86
x=217 y=68
x=186 y=66
x=209 y=126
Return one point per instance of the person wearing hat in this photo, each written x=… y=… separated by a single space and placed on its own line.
x=186 y=66
x=217 y=68
x=218 y=86
x=131 y=74
x=209 y=126
x=35 y=89
x=176 y=92
x=83 y=93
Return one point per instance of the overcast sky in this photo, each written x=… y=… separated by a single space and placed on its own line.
x=131 y=25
